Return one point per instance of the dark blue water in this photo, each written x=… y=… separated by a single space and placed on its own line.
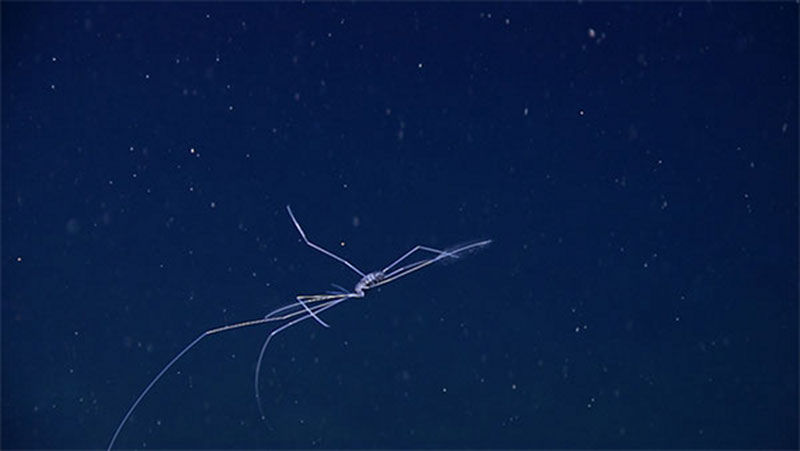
x=636 y=165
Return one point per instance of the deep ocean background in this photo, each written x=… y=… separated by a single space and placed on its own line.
x=636 y=165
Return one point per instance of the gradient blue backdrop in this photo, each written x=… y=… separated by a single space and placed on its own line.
x=635 y=163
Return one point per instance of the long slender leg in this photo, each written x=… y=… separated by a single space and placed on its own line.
x=416 y=266
x=317 y=309
x=342 y=290
x=307 y=299
x=271 y=317
x=310 y=298
x=326 y=252
x=415 y=249
x=278 y=310
x=150 y=385
x=314 y=315
x=404 y=271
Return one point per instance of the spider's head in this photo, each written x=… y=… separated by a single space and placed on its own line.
x=368 y=281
